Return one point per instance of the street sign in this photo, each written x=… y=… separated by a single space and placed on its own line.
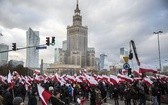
x=41 y=47
x=126 y=66
x=126 y=59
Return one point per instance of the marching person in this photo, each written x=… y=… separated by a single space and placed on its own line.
x=7 y=96
x=56 y=97
x=154 y=92
x=98 y=98
x=32 y=98
x=18 y=101
x=92 y=96
x=115 y=95
x=55 y=100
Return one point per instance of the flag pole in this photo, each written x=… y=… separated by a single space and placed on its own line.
x=13 y=92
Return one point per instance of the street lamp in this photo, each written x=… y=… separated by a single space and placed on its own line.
x=160 y=66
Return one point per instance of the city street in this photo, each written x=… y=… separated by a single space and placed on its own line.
x=109 y=102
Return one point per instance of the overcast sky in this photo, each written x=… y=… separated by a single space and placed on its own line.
x=111 y=25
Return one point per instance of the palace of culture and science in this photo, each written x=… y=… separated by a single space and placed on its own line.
x=75 y=49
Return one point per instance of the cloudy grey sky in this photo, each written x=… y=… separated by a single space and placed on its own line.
x=111 y=25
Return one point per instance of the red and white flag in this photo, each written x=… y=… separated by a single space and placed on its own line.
x=125 y=77
x=114 y=79
x=91 y=80
x=81 y=101
x=147 y=81
x=137 y=73
x=43 y=94
x=2 y=79
x=36 y=71
x=147 y=68
x=9 y=79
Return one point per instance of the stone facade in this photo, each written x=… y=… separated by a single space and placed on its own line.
x=77 y=52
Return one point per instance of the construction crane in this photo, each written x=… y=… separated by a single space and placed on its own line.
x=135 y=52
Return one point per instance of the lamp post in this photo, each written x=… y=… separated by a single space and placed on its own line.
x=160 y=65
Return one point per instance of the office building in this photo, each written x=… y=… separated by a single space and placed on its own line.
x=4 y=55
x=32 y=55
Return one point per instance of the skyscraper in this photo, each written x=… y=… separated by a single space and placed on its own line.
x=3 y=56
x=102 y=61
x=32 y=55
x=77 y=40
x=75 y=49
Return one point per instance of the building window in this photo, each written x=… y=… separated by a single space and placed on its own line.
x=78 y=60
x=73 y=59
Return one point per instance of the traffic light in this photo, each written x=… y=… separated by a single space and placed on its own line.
x=47 y=41
x=130 y=55
x=53 y=40
x=129 y=72
x=14 y=46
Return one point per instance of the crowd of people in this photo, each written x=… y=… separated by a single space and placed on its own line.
x=135 y=93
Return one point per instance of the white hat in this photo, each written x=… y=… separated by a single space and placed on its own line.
x=51 y=88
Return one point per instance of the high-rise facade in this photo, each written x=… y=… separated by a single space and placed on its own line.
x=102 y=61
x=32 y=55
x=77 y=40
x=75 y=49
x=3 y=56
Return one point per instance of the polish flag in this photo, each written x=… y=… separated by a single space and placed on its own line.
x=71 y=78
x=147 y=68
x=43 y=94
x=36 y=71
x=147 y=81
x=137 y=73
x=2 y=79
x=106 y=79
x=9 y=79
x=114 y=79
x=81 y=101
x=59 y=79
x=91 y=80
x=125 y=77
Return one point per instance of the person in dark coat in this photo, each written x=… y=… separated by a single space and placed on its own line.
x=20 y=90
x=92 y=96
x=127 y=96
x=142 y=96
x=8 y=98
x=115 y=95
x=32 y=98
x=55 y=100
x=154 y=93
x=103 y=89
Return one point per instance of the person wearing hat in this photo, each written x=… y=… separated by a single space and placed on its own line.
x=18 y=101
x=51 y=89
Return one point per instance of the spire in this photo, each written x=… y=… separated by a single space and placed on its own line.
x=77 y=19
x=77 y=11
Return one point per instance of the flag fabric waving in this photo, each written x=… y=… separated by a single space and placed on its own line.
x=147 y=81
x=147 y=68
x=44 y=95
